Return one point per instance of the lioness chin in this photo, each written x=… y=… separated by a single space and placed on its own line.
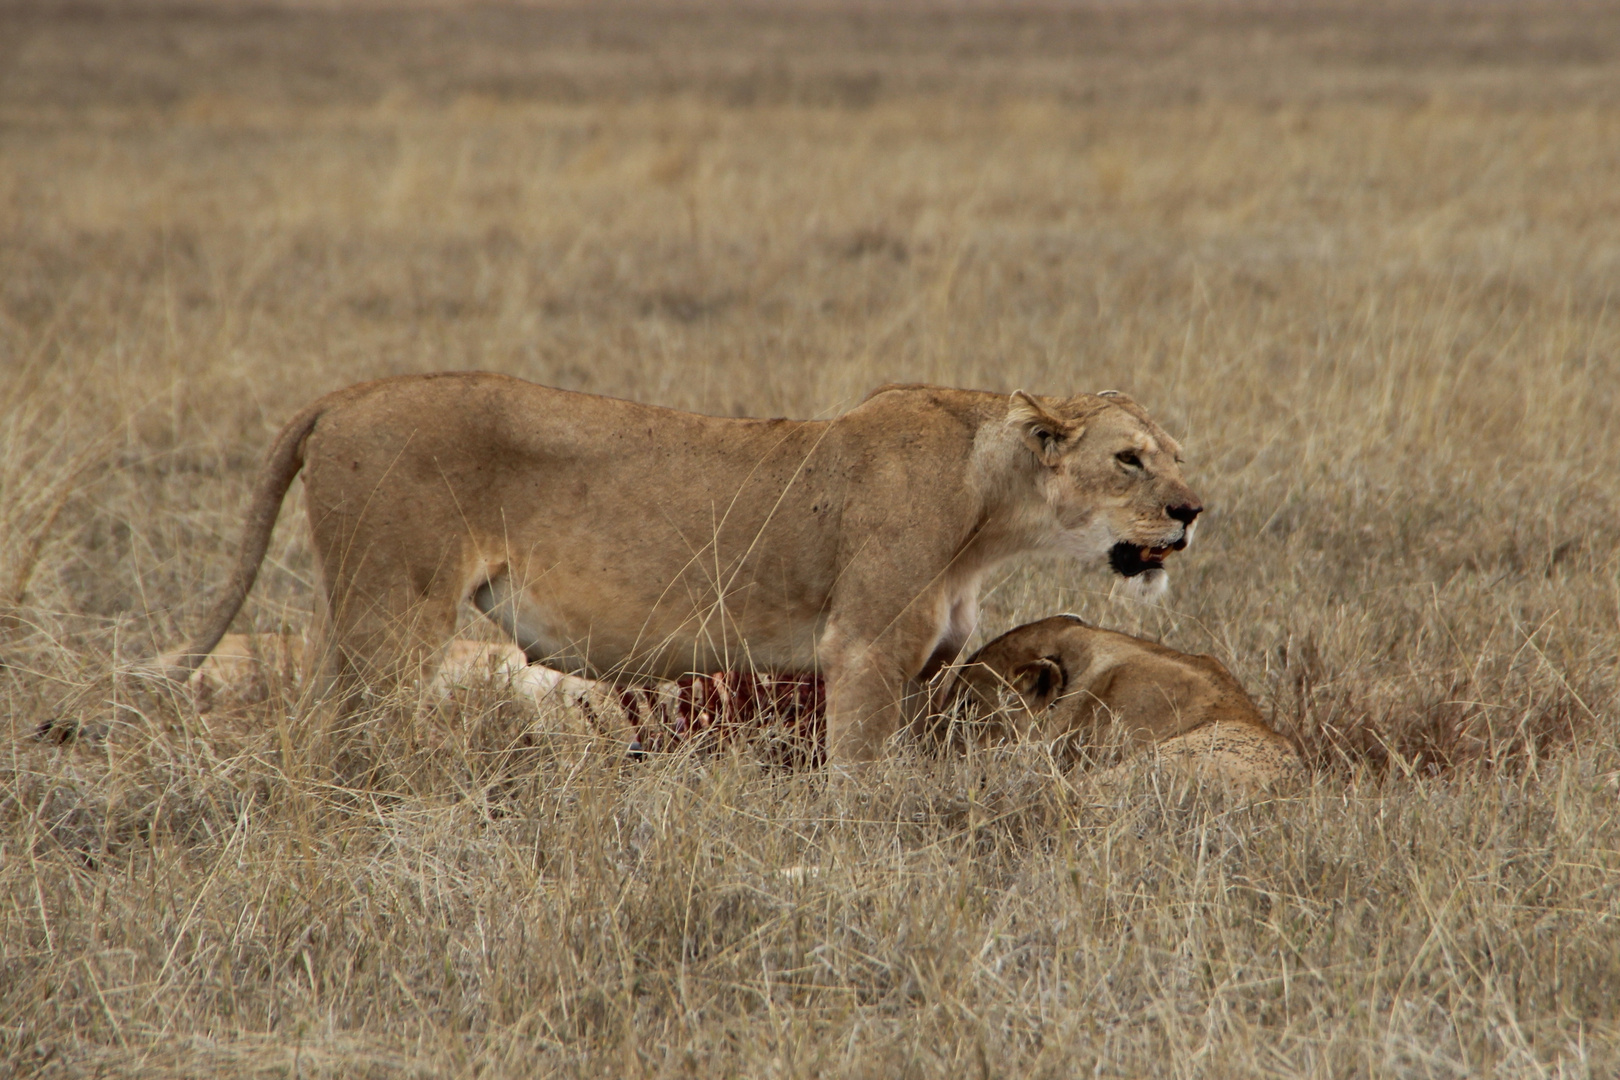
x=624 y=541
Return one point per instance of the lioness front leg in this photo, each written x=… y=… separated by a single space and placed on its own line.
x=863 y=710
x=867 y=676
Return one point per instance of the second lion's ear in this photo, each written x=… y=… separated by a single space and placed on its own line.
x=1048 y=435
x=1039 y=682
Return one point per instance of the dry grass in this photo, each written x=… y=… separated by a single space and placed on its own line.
x=1361 y=259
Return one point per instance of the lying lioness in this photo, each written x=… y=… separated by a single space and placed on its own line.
x=617 y=540
x=1060 y=680
x=1053 y=680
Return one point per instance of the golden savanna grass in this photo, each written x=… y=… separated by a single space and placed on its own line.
x=1362 y=260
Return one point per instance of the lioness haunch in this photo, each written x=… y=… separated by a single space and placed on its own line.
x=1057 y=680
x=620 y=540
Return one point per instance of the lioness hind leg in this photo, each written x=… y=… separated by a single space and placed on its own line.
x=376 y=646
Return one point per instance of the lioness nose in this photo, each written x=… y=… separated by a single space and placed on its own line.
x=1185 y=512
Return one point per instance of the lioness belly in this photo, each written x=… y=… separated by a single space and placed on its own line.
x=565 y=621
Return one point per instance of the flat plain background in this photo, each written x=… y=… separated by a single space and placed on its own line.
x=1361 y=259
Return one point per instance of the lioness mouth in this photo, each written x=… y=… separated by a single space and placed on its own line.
x=1129 y=560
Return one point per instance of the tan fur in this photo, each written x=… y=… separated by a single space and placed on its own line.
x=243 y=668
x=625 y=542
x=1055 y=679
x=1060 y=680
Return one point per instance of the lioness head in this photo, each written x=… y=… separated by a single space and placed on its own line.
x=1112 y=479
x=1059 y=676
x=1085 y=690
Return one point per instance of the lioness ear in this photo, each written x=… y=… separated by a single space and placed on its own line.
x=1043 y=432
x=1039 y=682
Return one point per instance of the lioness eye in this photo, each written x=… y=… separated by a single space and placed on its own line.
x=1128 y=458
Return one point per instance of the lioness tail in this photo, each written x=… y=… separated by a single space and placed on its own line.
x=281 y=464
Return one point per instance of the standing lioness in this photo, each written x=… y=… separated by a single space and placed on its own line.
x=629 y=542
